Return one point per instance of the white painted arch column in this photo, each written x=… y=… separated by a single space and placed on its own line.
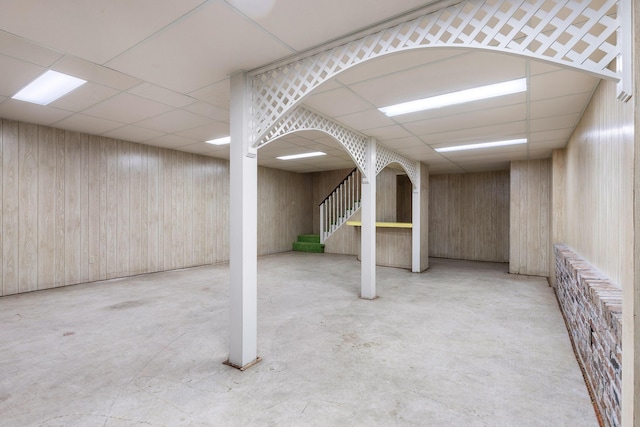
x=368 y=232
x=244 y=230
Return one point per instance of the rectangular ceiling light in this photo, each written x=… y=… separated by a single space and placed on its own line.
x=460 y=97
x=302 y=156
x=220 y=141
x=482 y=145
x=48 y=87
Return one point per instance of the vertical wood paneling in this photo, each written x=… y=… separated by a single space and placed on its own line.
x=94 y=215
x=78 y=208
x=599 y=185
x=135 y=209
x=111 y=226
x=10 y=217
x=46 y=207
x=28 y=207
x=123 y=208
x=530 y=217
x=73 y=190
x=468 y=218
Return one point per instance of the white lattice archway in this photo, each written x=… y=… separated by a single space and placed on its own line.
x=580 y=34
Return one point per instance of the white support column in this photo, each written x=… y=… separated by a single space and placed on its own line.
x=368 y=238
x=243 y=237
x=415 y=223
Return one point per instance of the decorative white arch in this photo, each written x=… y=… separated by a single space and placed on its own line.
x=303 y=118
x=580 y=34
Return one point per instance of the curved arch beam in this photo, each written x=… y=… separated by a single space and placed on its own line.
x=572 y=33
x=355 y=143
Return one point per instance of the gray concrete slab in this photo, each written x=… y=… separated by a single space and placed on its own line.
x=462 y=344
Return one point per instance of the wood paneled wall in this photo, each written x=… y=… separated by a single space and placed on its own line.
x=599 y=186
x=469 y=216
x=530 y=221
x=77 y=208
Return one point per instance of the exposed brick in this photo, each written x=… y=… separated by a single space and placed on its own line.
x=592 y=306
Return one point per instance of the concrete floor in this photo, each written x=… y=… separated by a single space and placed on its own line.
x=463 y=344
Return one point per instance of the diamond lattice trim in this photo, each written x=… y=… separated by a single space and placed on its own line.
x=575 y=33
x=385 y=156
x=302 y=118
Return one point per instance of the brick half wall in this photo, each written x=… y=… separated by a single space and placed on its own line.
x=592 y=306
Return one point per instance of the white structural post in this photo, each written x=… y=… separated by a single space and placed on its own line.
x=368 y=238
x=243 y=238
x=415 y=223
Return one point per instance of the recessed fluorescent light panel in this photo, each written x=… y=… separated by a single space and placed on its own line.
x=482 y=145
x=302 y=156
x=454 y=98
x=220 y=141
x=48 y=87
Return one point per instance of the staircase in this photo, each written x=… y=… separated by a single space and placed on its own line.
x=308 y=243
x=338 y=206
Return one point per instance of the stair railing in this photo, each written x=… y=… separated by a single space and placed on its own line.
x=340 y=204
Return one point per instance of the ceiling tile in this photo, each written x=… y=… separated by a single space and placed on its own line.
x=127 y=108
x=16 y=74
x=386 y=133
x=160 y=94
x=20 y=48
x=302 y=25
x=480 y=134
x=87 y=124
x=365 y=120
x=560 y=83
x=218 y=93
x=407 y=142
x=566 y=121
x=337 y=102
x=441 y=77
x=92 y=29
x=207 y=132
x=560 y=105
x=84 y=97
x=133 y=134
x=209 y=111
x=401 y=61
x=174 y=121
x=550 y=135
x=31 y=113
x=95 y=73
x=186 y=56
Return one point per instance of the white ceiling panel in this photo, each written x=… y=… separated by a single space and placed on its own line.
x=95 y=73
x=337 y=102
x=550 y=135
x=205 y=133
x=388 y=132
x=561 y=105
x=31 y=113
x=186 y=56
x=174 y=121
x=87 y=124
x=396 y=62
x=210 y=111
x=20 y=48
x=133 y=133
x=16 y=74
x=127 y=108
x=84 y=97
x=160 y=94
x=92 y=29
x=302 y=25
x=401 y=143
x=565 y=121
x=365 y=120
x=480 y=134
x=561 y=83
x=217 y=94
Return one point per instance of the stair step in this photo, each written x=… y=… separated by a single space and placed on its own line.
x=308 y=247
x=309 y=238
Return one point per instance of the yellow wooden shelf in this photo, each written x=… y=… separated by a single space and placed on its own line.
x=383 y=224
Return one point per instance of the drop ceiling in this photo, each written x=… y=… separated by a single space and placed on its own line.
x=158 y=74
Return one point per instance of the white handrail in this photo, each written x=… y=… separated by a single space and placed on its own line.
x=338 y=206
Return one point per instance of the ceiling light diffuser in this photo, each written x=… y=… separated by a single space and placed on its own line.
x=48 y=87
x=460 y=97
x=482 y=145
x=302 y=156
x=220 y=141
